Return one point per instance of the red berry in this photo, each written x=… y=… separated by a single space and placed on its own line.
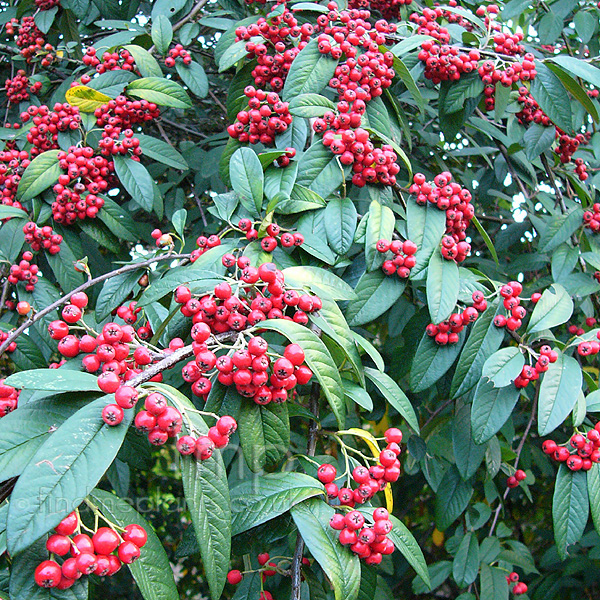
x=136 y=534
x=128 y=552
x=234 y=577
x=105 y=541
x=48 y=574
x=326 y=473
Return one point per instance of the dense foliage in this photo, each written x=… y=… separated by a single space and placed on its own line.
x=299 y=299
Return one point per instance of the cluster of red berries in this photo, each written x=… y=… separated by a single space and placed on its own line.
x=4 y=336
x=520 y=587
x=456 y=201
x=103 y=554
x=447 y=63
x=24 y=271
x=369 y=543
x=578 y=330
x=531 y=111
x=447 y=331
x=235 y=576
x=84 y=172
x=370 y=480
x=266 y=117
x=161 y=422
x=586 y=450
x=589 y=348
x=111 y=61
x=118 y=117
x=43 y=135
x=457 y=321
x=282 y=40
x=9 y=396
x=47 y=4
x=567 y=146
x=389 y=9
x=30 y=39
x=178 y=52
x=512 y=303
x=284 y=159
x=274 y=234
x=529 y=373
x=18 y=88
x=42 y=237
x=165 y=240
x=404 y=257
x=12 y=164
x=514 y=480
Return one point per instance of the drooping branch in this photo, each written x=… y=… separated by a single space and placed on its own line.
x=88 y=284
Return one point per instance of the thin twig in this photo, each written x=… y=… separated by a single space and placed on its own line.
x=218 y=102
x=518 y=456
x=183 y=128
x=199 y=6
x=42 y=313
x=313 y=427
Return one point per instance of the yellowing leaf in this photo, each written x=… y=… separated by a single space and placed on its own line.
x=87 y=99
x=374 y=447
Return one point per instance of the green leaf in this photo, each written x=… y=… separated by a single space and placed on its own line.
x=486 y=238
x=559 y=389
x=570 y=508
x=380 y=225
x=300 y=199
x=310 y=72
x=426 y=226
x=22 y=432
x=560 y=229
x=469 y=86
x=593 y=485
x=409 y=44
x=575 y=89
x=207 y=494
x=152 y=571
x=341 y=566
x=407 y=79
x=114 y=291
x=578 y=68
x=467 y=454
x=320 y=281
x=357 y=394
x=136 y=180
x=162 y=152
x=585 y=25
x=318 y=360
x=394 y=395
x=408 y=546
x=465 y=566
x=112 y=83
x=13 y=239
x=63 y=471
x=310 y=105
x=118 y=221
x=485 y=338
x=432 y=361
x=194 y=76
x=503 y=366
x=550 y=27
x=332 y=322
x=491 y=408
x=22 y=582
x=12 y=211
x=41 y=173
x=44 y=19
x=552 y=97
x=162 y=33
x=278 y=180
x=442 y=287
x=452 y=498
x=145 y=62
x=493 y=583
x=319 y=170
x=555 y=307
x=340 y=224
x=265 y=497
x=54 y=380
x=538 y=139
x=164 y=92
x=62 y=265
x=376 y=293
x=247 y=179
x=264 y=434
